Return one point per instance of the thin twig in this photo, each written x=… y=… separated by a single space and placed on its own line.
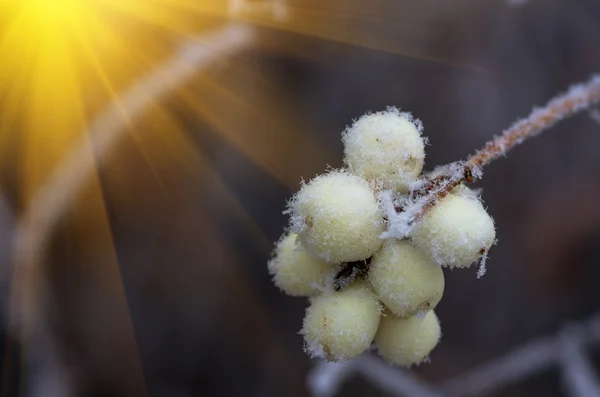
x=595 y=115
x=427 y=192
x=520 y=363
x=401 y=383
x=326 y=379
x=349 y=272
x=577 y=372
x=523 y=362
x=579 y=97
x=277 y=8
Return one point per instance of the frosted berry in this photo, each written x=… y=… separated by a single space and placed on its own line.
x=457 y=231
x=298 y=273
x=337 y=217
x=387 y=147
x=407 y=341
x=405 y=279
x=341 y=325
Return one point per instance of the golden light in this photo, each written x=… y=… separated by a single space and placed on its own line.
x=55 y=10
x=64 y=65
x=64 y=60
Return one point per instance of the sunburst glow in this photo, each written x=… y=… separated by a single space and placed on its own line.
x=70 y=73
x=64 y=60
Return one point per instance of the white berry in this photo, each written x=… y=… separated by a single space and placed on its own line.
x=298 y=273
x=385 y=146
x=337 y=217
x=457 y=231
x=341 y=325
x=405 y=279
x=407 y=341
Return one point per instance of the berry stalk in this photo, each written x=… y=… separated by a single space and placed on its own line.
x=577 y=98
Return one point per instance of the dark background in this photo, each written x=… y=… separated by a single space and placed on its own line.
x=192 y=238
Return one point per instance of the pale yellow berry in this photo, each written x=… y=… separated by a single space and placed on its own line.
x=337 y=217
x=297 y=272
x=341 y=325
x=407 y=341
x=385 y=146
x=405 y=279
x=457 y=231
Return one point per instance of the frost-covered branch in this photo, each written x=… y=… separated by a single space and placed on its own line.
x=403 y=213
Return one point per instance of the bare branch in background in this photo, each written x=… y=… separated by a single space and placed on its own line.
x=522 y=362
x=595 y=115
x=563 y=350
x=517 y=3
x=326 y=379
x=578 y=375
x=277 y=8
x=398 y=383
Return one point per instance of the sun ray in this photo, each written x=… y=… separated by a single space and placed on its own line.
x=177 y=149
x=128 y=123
x=51 y=100
x=54 y=115
x=262 y=131
x=93 y=230
x=375 y=30
x=179 y=17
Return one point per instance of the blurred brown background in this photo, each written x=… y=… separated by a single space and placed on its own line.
x=192 y=233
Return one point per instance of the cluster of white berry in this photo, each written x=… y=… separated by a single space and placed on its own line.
x=362 y=288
